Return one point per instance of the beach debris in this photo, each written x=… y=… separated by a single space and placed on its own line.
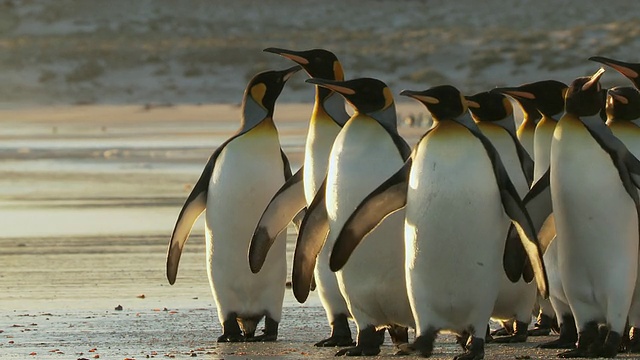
x=33 y=353
x=141 y=296
x=119 y=308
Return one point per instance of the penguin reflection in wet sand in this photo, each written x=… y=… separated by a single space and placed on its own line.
x=367 y=151
x=493 y=114
x=327 y=118
x=237 y=183
x=454 y=177
x=593 y=181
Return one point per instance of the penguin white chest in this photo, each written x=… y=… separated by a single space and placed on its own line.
x=322 y=133
x=455 y=229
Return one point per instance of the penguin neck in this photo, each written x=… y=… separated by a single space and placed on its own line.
x=252 y=114
x=592 y=120
x=466 y=120
x=333 y=105
x=507 y=123
x=387 y=118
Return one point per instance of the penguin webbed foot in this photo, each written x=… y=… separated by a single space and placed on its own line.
x=422 y=345
x=269 y=333
x=543 y=326
x=340 y=333
x=359 y=350
x=474 y=350
x=519 y=334
x=368 y=344
x=231 y=338
x=336 y=341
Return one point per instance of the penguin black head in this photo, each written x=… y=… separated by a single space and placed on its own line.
x=546 y=96
x=623 y=103
x=265 y=87
x=318 y=63
x=630 y=70
x=583 y=96
x=443 y=102
x=489 y=106
x=366 y=95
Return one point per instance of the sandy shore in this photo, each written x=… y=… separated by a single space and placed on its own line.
x=88 y=198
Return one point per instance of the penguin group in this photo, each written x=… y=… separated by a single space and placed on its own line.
x=478 y=220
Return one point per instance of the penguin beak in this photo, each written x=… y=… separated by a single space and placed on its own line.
x=337 y=86
x=623 y=68
x=514 y=92
x=286 y=74
x=617 y=96
x=289 y=54
x=471 y=104
x=593 y=80
x=420 y=96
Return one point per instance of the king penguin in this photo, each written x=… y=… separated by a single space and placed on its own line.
x=547 y=96
x=458 y=200
x=630 y=70
x=366 y=152
x=328 y=117
x=494 y=117
x=623 y=114
x=236 y=184
x=593 y=180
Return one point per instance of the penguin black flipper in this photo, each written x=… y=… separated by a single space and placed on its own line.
x=283 y=207
x=514 y=208
x=386 y=199
x=311 y=237
x=526 y=162
x=627 y=164
x=195 y=204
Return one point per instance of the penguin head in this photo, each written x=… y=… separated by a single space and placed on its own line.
x=583 y=97
x=366 y=95
x=630 y=70
x=489 y=106
x=623 y=103
x=265 y=87
x=318 y=63
x=546 y=96
x=443 y=102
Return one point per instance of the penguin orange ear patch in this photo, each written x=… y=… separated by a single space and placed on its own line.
x=507 y=105
x=388 y=97
x=258 y=91
x=338 y=71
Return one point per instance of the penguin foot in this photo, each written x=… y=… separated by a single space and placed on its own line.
x=231 y=338
x=340 y=333
x=368 y=344
x=611 y=345
x=335 y=341
x=475 y=350
x=558 y=344
x=510 y=339
x=399 y=334
x=263 y=338
x=518 y=335
x=231 y=330
x=500 y=332
x=575 y=353
x=359 y=351
x=423 y=344
x=543 y=326
x=589 y=344
x=270 y=332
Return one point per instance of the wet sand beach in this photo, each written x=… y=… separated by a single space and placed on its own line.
x=102 y=135
x=88 y=198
